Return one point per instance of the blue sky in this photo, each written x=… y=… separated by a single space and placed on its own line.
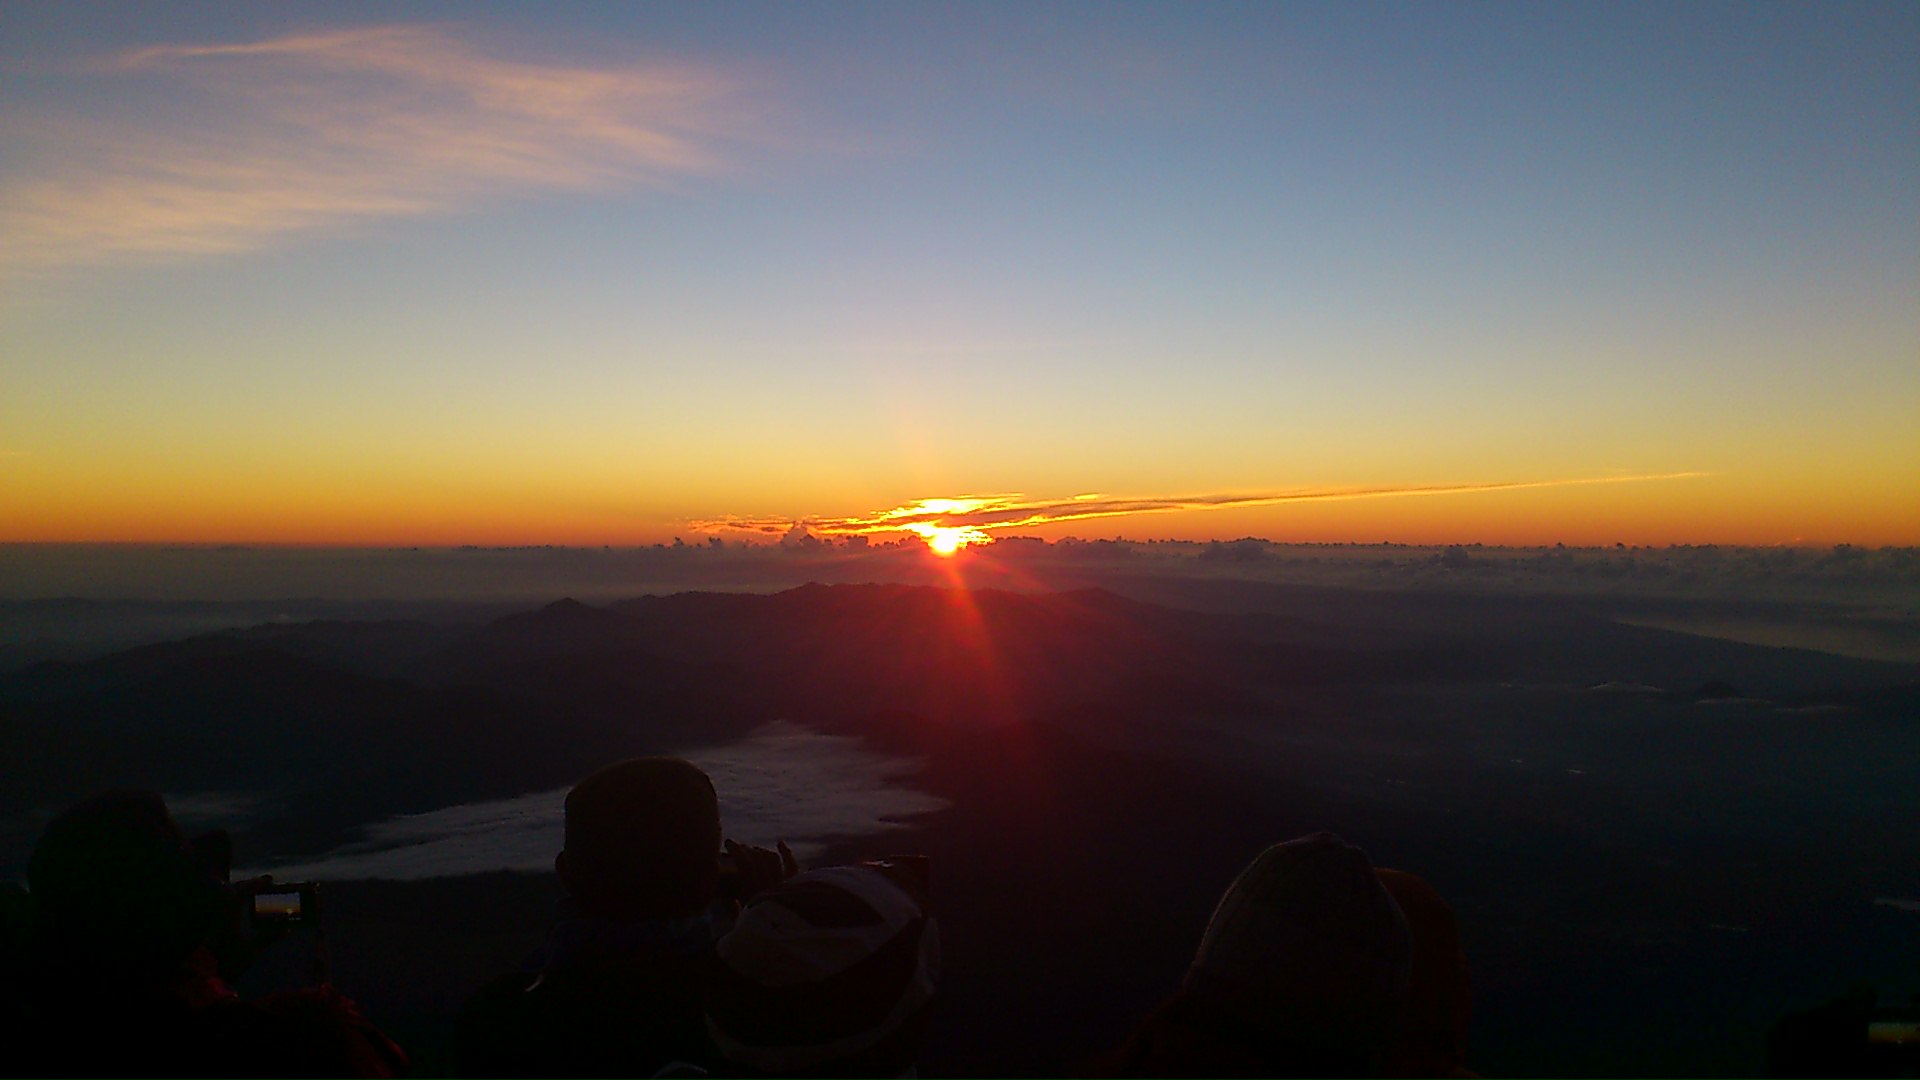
x=324 y=272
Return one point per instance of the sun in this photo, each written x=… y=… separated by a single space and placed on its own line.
x=945 y=542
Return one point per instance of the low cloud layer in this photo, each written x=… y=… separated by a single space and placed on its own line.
x=976 y=517
x=197 y=150
x=783 y=782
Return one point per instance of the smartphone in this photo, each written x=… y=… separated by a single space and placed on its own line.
x=289 y=906
x=1904 y=1031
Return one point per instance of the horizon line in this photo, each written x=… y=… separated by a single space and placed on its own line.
x=909 y=541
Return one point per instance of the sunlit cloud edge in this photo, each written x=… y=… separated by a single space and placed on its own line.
x=950 y=522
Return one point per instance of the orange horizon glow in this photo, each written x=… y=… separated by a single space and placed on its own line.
x=1655 y=509
x=1524 y=518
x=360 y=505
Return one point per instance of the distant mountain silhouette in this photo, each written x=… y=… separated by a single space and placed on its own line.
x=986 y=655
x=374 y=647
x=404 y=716
x=562 y=626
x=335 y=746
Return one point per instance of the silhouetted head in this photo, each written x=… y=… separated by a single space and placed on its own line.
x=117 y=886
x=1433 y=1039
x=643 y=841
x=1307 y=960
x=828 y=973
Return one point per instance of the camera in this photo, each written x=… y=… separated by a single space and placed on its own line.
x=1897 y=1027
x=287 y=907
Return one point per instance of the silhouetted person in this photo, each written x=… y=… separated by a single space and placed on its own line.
x=1304 y=970
x=1432 y=1039
x=134 y=937
x=829 y=973
x=16 y=926
x=618 y=988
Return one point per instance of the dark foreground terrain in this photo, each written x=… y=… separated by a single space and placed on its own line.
x=1656 y=842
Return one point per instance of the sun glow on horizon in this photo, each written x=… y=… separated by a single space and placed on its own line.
x=947 y=542
x=948 y=524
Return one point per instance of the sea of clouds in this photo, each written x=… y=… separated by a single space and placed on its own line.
x=782 y=782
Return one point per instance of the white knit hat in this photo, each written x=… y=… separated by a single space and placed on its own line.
x=824 y=968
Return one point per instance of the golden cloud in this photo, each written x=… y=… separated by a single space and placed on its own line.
x=212 y=149
x=978 y=516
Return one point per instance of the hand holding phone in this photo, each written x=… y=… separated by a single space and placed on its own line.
x=282 y=908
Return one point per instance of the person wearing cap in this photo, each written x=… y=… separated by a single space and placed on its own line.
x=134 y=937
x=618 y=988
x=1304 y=970
x=829 y=973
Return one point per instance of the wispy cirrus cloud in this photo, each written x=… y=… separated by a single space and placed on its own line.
x=974 y=518
x=196 y=150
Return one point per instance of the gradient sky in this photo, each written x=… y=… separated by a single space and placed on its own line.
x=452 y=273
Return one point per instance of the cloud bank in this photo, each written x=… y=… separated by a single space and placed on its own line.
x=197 y=150
x=976 y=517
x=782 y=782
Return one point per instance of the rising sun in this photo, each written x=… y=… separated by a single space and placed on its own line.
x=945 y=542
